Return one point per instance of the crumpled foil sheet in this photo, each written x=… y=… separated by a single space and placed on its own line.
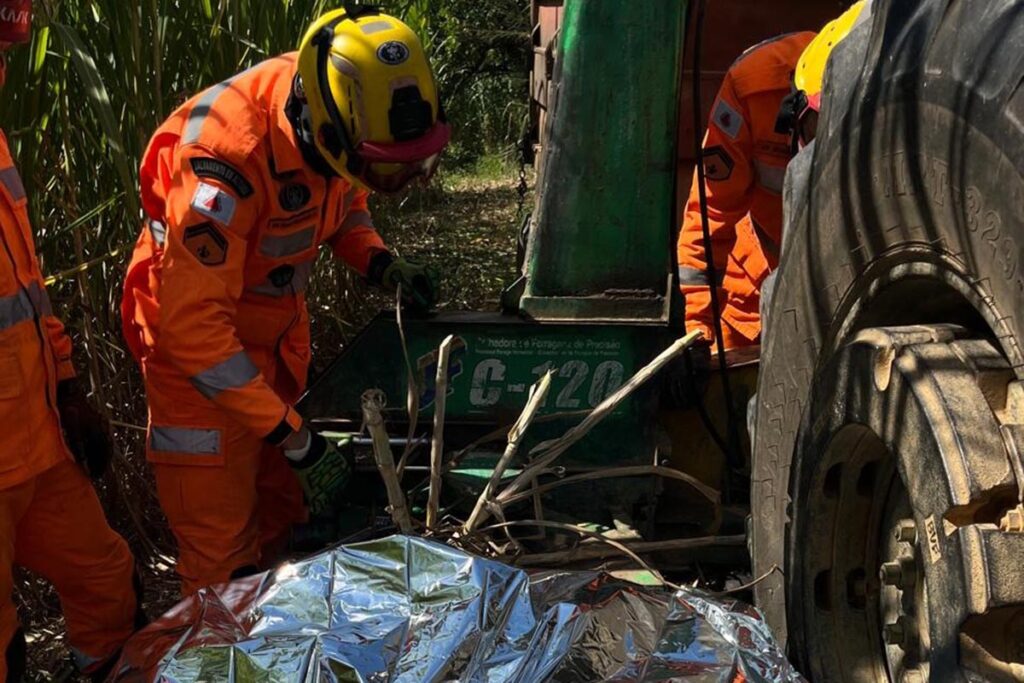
x=405 y=609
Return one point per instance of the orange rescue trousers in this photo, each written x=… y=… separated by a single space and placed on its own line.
x=230 y=511
x=54 y=526
x=233 y=518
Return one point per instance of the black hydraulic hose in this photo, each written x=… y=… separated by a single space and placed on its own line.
x=733 y=454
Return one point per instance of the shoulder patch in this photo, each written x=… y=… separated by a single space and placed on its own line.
x=207 y=244
x=215 y=169
x=718 y=164
x=727 y=119
x=214 y=203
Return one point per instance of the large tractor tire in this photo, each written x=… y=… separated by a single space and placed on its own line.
x=887 y=463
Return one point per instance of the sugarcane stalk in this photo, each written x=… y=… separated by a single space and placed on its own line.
x=538 y=394
x=546 y=453
x=621 y=548
x=412 y=394
x=594 y=551
x=437 y=443
x=373 y=419
x=712 y=495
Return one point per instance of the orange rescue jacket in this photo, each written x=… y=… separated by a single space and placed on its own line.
x=35 y=352
x=235 y=219
x=745 y=163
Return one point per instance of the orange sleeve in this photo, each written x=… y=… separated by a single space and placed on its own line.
x=729 y=171
x=208 y=224
x=357 y=241
x=60 y=342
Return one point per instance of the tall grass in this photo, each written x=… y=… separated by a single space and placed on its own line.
x=79 y=107
x=100 y=75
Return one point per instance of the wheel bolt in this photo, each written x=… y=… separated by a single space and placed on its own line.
x=906 y=531
x=891 y=573
x=894 y=633
x=901 y=574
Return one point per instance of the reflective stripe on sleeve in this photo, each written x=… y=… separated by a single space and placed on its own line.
x=201 y=111
x=696 y=277
x=233 y=373
x=771 y=178
x=24 y=305
x=185 y=440
x=158 y=231
x=279 y=246
x=202 y=107
x=11 y=179
x=39 y=298
x=356 y=219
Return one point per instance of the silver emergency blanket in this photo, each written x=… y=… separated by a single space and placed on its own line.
x=407 y=610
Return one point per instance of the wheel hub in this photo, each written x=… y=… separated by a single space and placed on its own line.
x=903 y=478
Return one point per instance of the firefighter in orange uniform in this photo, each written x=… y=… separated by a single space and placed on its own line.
x=746 y=152
x=51 y=521
x=241 y=187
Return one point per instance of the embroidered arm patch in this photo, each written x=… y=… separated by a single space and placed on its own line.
x=215 y=203
x=215 y=169
x=718 y=164
x=207 y=244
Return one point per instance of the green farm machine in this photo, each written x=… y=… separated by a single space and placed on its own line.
x=878 y=504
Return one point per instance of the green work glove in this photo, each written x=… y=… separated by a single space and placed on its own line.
x=324 y=473
x=420 y=284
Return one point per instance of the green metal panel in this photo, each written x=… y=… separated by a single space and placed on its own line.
x=601 y=245
x=495 y=361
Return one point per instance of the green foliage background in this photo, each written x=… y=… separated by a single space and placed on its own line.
x=100 y=75
x=82 y=100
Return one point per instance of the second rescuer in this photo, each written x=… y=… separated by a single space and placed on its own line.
x=242 y=186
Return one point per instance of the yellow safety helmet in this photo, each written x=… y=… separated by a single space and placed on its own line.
x=810 y=70
x=798 y=115
x=373 y=108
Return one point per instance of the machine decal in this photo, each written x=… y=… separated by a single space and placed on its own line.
x=427 y=366
x=588 y=371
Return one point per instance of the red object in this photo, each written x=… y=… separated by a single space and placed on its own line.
x=814 y=102
x=15 y=21
x=419 y=149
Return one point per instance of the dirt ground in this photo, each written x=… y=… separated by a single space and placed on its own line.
x=466 y=228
